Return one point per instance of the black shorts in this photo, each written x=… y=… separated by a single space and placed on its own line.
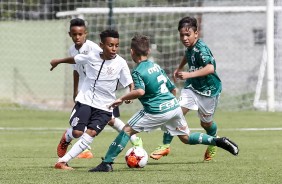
x=116 y=112
x=86 y=116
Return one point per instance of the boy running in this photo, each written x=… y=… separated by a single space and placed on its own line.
x=202 y=85
x=103 y=71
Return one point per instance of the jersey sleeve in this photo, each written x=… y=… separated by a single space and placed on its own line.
x=138 y=81
x=82 y=59
x=207 y=57
x=125 y=76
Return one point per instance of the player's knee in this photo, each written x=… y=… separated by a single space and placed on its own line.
x=206 y=125
x=111 y=122
x=128 y=130
x=184 y=138
x=77 y=133
x=91 y=132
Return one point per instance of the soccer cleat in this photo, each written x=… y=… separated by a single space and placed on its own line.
x=63 y=166
x=62 y=146
x=227 y=144
x=137 y=142
x=85 y=154
x=210 y=153
x=162 y=150
x=103 y=167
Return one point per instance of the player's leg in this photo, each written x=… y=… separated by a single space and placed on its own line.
x=201 y=138
x=207 y=106
x=67 y=137
x=64 y=142
x=187 y=102
x=118 y=125
x=178 y=126
x=115 y=148
x=140 y=121
x=96 y=120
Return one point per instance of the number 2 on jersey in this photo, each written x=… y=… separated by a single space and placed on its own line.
x=163 y=85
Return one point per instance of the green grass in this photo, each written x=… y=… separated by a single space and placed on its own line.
x=29 y=139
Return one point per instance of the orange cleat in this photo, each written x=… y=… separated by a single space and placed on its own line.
x=62 y=146
x=210 y=153
x=63 y=166
x=85 y=154
x=162 y=150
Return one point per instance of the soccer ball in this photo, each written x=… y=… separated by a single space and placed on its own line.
x=136 y=157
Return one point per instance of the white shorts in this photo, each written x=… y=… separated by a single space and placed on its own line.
x=173 y=121
x=205 y=105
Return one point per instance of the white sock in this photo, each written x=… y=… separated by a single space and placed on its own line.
x=133 y=138
x=82 y=144
x=118 y=125
x=69 y=136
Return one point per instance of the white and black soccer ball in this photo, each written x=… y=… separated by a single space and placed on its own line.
x=136 y=157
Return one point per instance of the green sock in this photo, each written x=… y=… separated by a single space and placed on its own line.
x=212 y=130
x=167 y=138
x=117 y=146
x=201 y=138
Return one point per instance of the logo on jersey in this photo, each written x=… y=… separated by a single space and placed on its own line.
x=74 y=121
x=193 y=59
x=110 y=71
x=84 y=52
x=155 y=68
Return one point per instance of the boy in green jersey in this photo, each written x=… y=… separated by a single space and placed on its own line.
x=160 y=108
x=202 y=85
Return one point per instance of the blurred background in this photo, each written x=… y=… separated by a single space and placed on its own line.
x=34 y=32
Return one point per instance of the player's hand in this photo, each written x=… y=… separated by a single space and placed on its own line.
x=116 y=103
x=53 y=64
x=183 y=75
x=175 y=75
x=128 y=101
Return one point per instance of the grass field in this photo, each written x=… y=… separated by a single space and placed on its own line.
x=28 y=141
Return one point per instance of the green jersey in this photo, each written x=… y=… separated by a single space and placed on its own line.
x=150 y=77
x=198 y=57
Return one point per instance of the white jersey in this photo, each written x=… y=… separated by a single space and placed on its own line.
x=85 y=49
x=102 y=76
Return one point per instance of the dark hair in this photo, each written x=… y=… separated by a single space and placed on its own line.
x=140 y=44
x=189 y=22
x=108 y=33
x=77 y=22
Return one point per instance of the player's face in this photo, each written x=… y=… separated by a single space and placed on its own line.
x=78 y=35
x=188 y=36
x=110 y=47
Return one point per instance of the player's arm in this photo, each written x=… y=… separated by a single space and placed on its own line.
x=208 y=69
x=75 y=83
x=55 y=62
x=131 y=88
x=136 y=93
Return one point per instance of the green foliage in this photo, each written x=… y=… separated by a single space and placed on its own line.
x=29 y=139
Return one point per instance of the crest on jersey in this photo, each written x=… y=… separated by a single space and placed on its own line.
x=193 y=59
x=110 y=71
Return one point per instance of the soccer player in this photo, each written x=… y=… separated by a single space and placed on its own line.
x=160 y=108
x=78 y=34
x=202 y=85
x=103 y=71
